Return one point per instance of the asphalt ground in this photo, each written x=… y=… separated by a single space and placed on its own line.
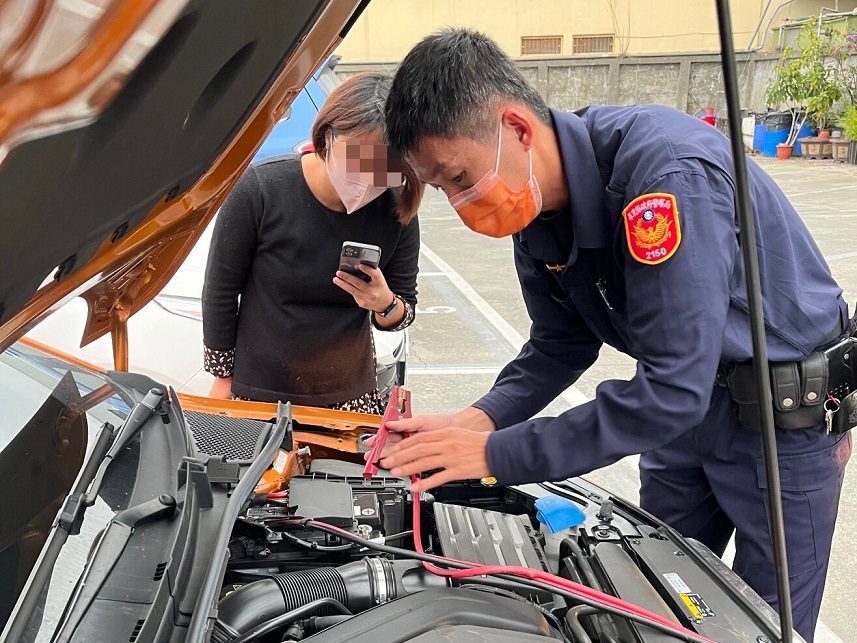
x=471 y=320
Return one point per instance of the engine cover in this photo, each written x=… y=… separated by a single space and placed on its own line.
x=493 y=538
x=432 y=612
x=488 y=537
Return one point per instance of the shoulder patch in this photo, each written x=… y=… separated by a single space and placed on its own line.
x=652 y=227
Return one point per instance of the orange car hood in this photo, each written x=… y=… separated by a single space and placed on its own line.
x=123 y=126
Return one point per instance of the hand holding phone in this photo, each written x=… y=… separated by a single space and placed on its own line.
x=354 y=254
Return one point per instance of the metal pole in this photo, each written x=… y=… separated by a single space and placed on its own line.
x=747 y=241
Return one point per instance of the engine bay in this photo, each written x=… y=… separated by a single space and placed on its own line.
x=333 y=557
x=233 y=529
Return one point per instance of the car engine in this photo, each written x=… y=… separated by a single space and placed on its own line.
x=356 y=579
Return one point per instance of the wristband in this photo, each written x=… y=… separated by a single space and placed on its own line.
x=389 y=309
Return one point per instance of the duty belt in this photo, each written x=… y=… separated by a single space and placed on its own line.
x=819 y=389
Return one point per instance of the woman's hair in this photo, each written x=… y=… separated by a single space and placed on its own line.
x=357 y=107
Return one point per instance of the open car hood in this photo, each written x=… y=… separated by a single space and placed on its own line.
x=123 y=126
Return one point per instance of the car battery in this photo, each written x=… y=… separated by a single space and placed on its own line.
x=378 y=504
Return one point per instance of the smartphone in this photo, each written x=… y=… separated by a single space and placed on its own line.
x=354 y=254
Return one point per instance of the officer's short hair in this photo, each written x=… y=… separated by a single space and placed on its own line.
x=449 y=86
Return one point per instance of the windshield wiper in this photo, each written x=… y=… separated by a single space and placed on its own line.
x=76 y=504
x=201 y=619
x=109 y=444
x=110 y=547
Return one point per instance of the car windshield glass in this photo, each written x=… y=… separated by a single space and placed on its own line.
x=52 y=413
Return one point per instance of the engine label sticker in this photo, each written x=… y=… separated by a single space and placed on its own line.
x=281 y=461
x=677 y=583
x=698 y=608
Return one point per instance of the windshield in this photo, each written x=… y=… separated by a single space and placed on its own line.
x=52 y=413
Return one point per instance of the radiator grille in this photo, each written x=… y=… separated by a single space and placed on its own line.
x=232 y=438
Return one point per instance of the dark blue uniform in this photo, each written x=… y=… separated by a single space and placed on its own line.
x=700 y=470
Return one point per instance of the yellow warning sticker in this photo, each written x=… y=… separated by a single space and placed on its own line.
x=697 y=607
x=694 y=610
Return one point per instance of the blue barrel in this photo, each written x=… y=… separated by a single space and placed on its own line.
x=759 y=137
x=772 y=139
x=775 y=130
x=777 y=126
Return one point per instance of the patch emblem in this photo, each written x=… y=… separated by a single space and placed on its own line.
x=652 y=227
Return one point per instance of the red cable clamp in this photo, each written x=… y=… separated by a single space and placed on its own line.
x=398 y=408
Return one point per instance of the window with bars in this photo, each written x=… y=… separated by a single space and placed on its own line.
x=595 y=44
x=534 y=45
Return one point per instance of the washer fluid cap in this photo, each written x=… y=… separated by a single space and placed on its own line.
x=558 y=513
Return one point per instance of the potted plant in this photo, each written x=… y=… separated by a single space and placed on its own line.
x=824 y=94
x=787 y=88
x=811 y=76
x=849 y=130
x=846 y=75
x=823 y=56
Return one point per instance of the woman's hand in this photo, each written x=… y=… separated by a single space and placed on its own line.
x=374 y=295
x=221 y=388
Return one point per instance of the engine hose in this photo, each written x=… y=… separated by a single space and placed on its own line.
x=283 y=620
x=583 y=563
x=572 y=618
x=358 y=585
x=603 y=621
x=299 y=630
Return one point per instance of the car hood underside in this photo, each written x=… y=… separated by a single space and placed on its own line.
x=119 y=142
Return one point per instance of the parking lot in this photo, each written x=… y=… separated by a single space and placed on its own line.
x=472 y=320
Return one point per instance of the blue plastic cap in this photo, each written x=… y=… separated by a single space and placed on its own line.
x=558 y=513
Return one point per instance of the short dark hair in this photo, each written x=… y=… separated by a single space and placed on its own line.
x=447 y=86
x=357 y=107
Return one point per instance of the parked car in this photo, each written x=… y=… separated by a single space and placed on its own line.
x=175 y=358
x=131 y=512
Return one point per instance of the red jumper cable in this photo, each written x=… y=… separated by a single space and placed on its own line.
x=399 y=407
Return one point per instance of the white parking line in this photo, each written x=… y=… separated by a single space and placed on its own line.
x=825 y=191
x=454 y=370
x=844 y=255
x=515 y=340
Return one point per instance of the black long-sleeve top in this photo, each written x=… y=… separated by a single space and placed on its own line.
x=269 y=294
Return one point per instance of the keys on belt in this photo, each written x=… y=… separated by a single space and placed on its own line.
x=831 y=407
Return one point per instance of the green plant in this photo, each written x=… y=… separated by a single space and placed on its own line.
x=822 y=55
x=846 y=70
x=849 y=123
x=810 y=77
x=788 y=88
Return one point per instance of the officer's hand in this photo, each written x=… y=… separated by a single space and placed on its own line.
x=461 y=454
x=470 y=418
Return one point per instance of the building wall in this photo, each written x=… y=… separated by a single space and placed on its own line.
x=389 y=28
x=689 y=82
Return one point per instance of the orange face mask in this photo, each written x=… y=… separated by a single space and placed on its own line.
x=492 y=208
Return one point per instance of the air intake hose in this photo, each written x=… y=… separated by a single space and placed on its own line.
x=358 y=586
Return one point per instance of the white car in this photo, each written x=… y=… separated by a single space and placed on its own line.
x=175 y=357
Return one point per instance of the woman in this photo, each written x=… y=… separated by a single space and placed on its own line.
x=279 y=321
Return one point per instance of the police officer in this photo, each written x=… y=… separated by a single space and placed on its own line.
x=624 y=230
